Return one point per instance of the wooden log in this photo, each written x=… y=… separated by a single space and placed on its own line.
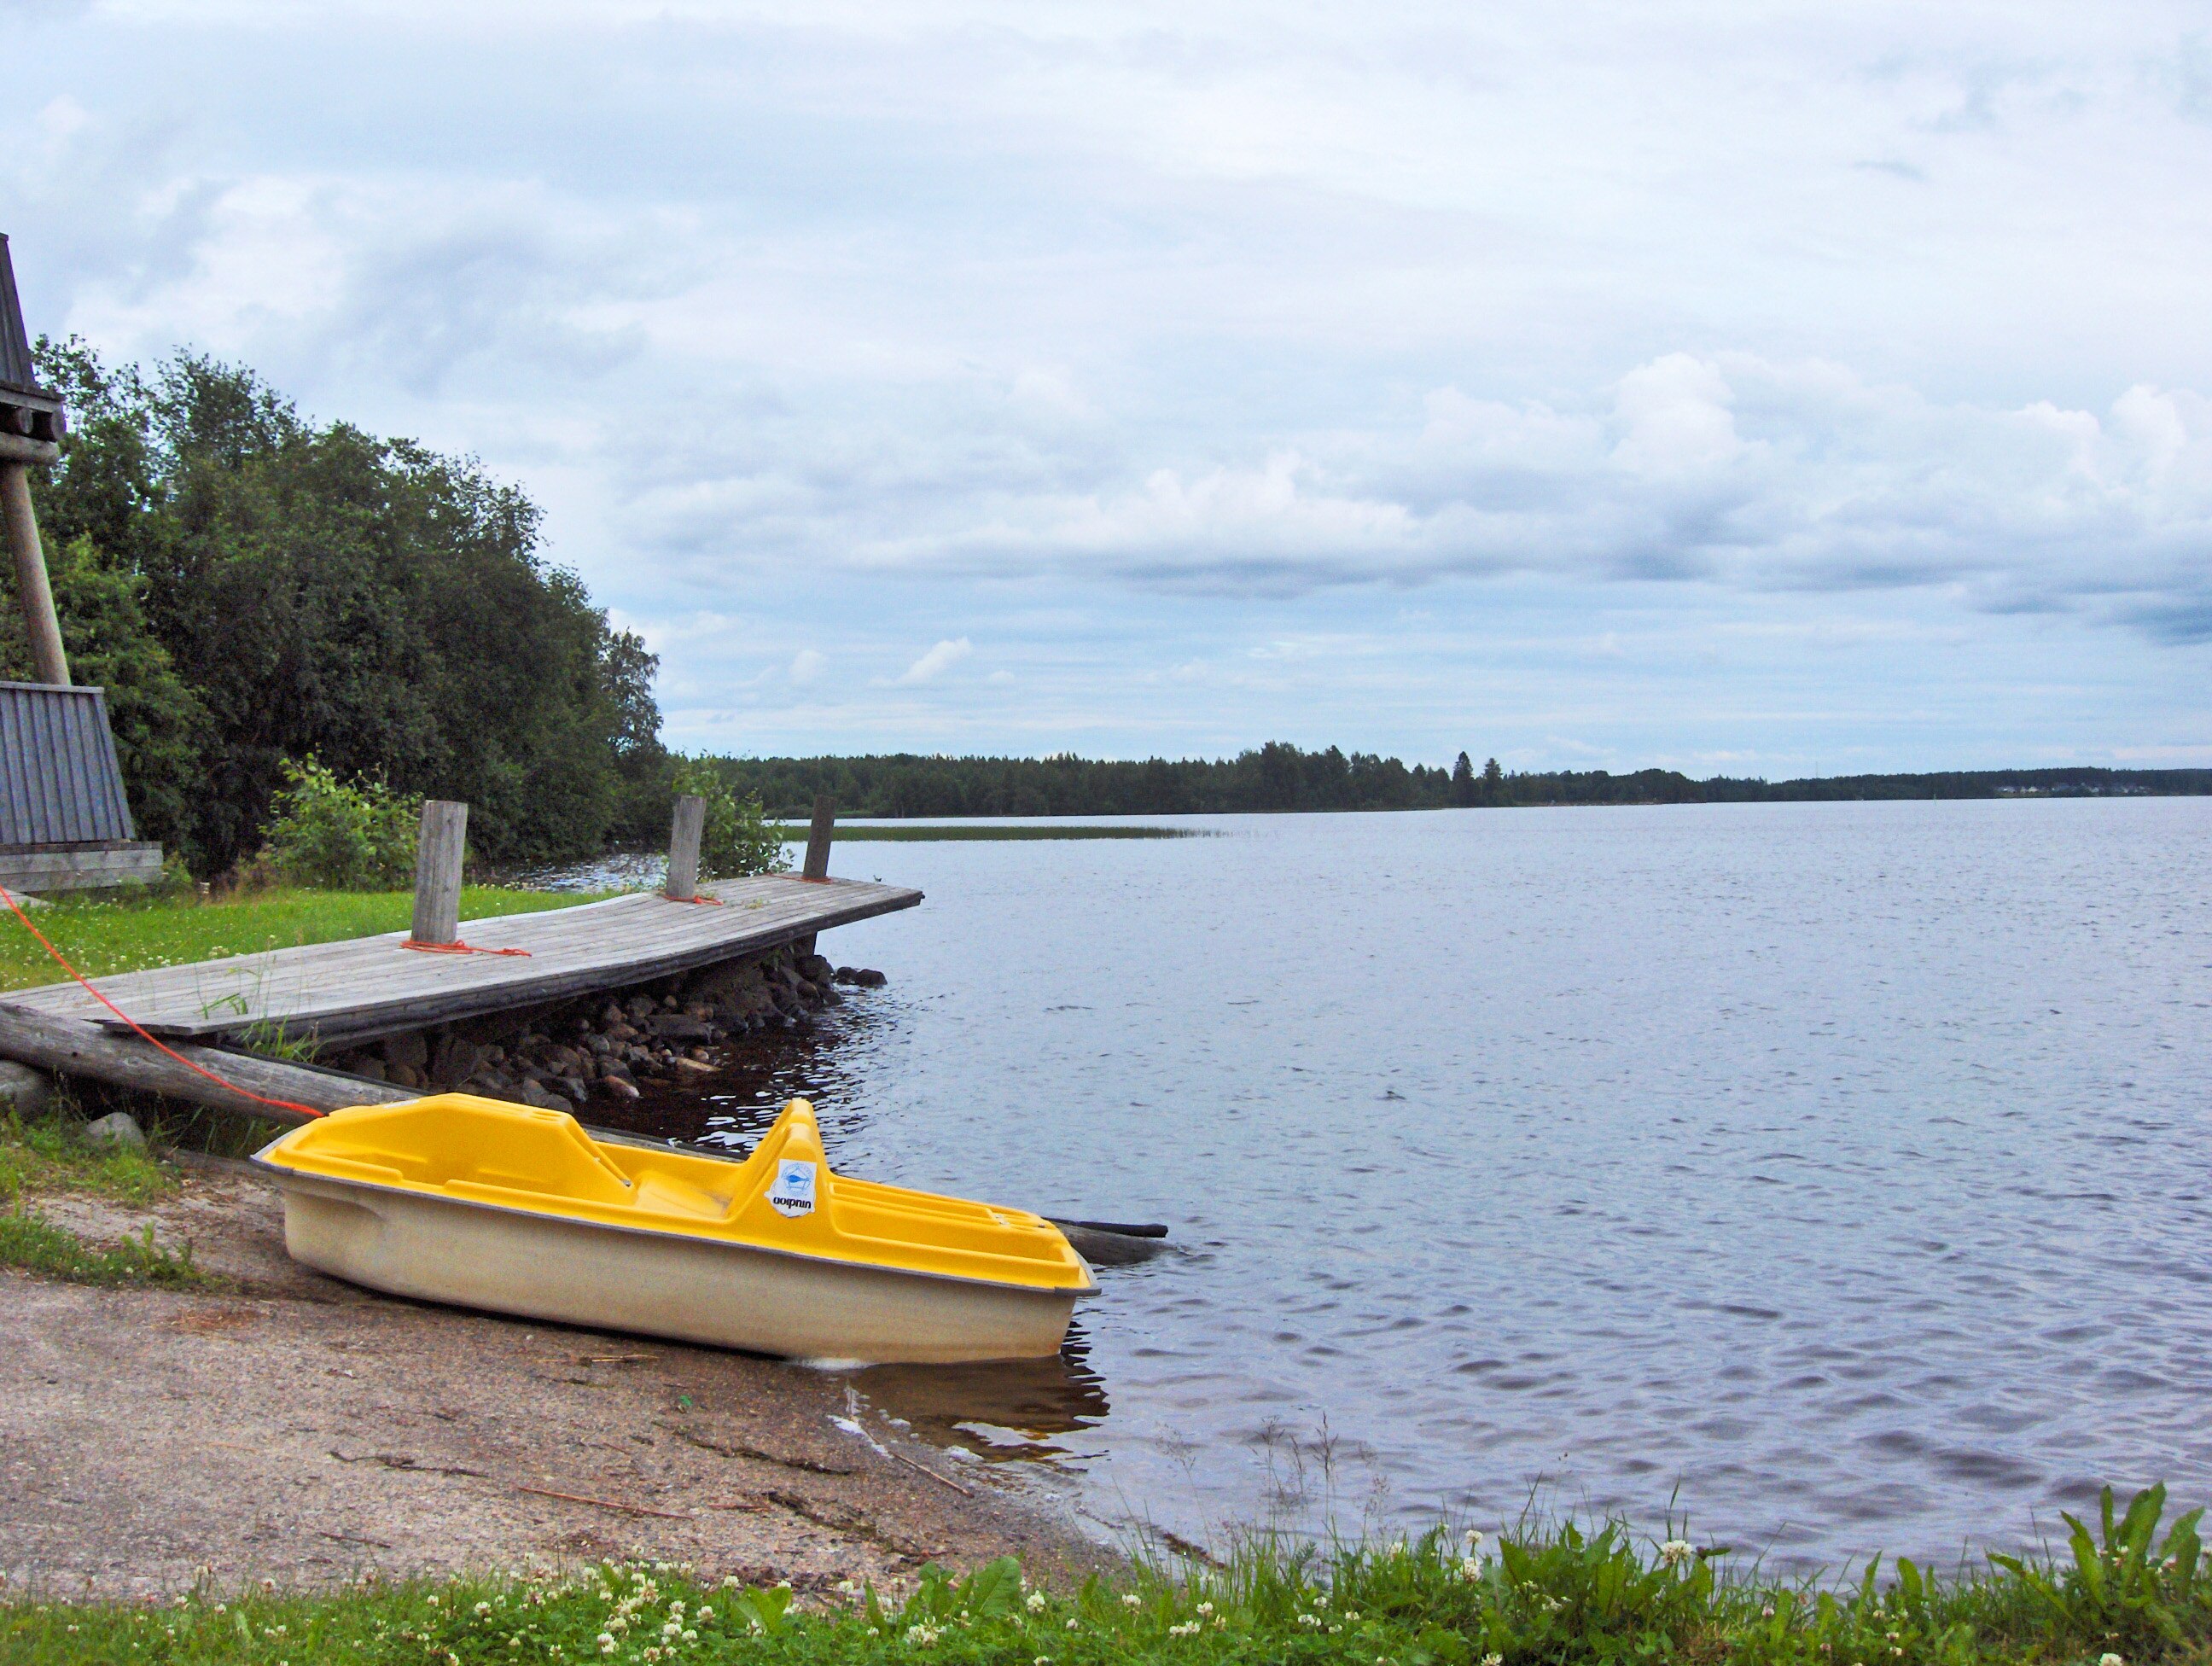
x=14 y=448
x=76 y=1049
x=683 y=834
x=36 y=595
x=438 y=872
x=817 y=840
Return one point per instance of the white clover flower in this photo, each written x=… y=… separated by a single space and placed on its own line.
x=706 y=1614
x=483 y=1608
x=1071 y=1622
x=1675 y=1552
x=1470 y=1568
x=1493 y=1660
x=1205 y=1608
x=690 y=1636
x=1034 y=1601
x=1474 y=1536
x=1188 y=1629
x=2112 y=1660
x=1132 y=1601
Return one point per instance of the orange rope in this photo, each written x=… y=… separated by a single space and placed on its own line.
x=458 y=948
x=61 y=960
x=705 y=902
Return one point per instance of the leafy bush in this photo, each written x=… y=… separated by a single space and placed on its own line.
x=328 y=835
x=740 y=839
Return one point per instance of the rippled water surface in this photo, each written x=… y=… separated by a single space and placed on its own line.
x=1838 y=1171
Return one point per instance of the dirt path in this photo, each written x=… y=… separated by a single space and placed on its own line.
x=298 y=1429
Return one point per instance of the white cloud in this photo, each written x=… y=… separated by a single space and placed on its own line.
x=863 y=326
x=936 y=662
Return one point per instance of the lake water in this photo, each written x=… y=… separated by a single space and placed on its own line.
x=1838 y=1172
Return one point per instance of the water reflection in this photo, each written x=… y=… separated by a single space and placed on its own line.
x=1002 y=1411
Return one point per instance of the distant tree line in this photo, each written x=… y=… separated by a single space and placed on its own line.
x=252 y=588
x=1278 y=777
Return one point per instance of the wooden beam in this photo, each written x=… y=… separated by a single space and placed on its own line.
x=76 y=1049
x=15 y=448
x=817 y=840
x=438 y=872
x=36 y=595
x=683 y=834
x=100 y=866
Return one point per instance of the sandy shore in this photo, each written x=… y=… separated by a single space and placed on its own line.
x=296 y=1428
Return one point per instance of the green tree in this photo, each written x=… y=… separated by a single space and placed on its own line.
x=157 y=720
x=323 y=592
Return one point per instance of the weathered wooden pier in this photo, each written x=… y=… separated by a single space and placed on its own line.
x=210 y=1014
x=369 y=986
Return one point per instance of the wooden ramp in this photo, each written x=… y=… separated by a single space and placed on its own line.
x=371 y=986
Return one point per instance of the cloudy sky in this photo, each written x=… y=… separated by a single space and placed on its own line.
x=1771 y=388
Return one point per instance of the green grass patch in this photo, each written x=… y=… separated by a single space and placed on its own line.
x=1550 y=1597
x=51 y=1154
x=39 y=1246
x=925 y=834
x=110 y=934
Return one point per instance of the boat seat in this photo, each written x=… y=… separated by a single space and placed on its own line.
x=659 y=1194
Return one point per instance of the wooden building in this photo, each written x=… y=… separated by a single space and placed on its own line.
x=65 y=821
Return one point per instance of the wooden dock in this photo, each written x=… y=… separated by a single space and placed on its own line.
x=371 y=986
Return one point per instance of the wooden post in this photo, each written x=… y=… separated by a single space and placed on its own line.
x=438 y=872
x=817 y=840
x=31 y=586
x=683 y=833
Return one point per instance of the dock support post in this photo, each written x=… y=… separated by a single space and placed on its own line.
x=32 y=589
x=684 y=835
x=438 y=872
x=817 y=840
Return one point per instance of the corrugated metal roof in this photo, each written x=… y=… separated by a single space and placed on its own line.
x=16 y=368
x=59 y=779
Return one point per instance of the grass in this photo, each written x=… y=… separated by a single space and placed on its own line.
x=107 y=936
x=848 y=833
x=39 y=1246
x=51 y=1154
x=1549 y=1597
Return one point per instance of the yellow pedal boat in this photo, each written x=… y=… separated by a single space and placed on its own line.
x=490 y=1204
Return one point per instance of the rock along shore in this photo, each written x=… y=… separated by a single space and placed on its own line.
x=672 y=1032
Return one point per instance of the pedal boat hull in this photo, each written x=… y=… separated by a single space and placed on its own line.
x=686 y=1287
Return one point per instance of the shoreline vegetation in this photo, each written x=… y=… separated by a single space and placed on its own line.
x=2123 y=1595
x=1280 y=778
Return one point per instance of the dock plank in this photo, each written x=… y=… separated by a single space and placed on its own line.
x=371 y=986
